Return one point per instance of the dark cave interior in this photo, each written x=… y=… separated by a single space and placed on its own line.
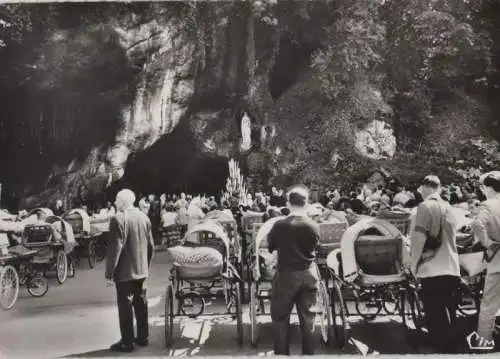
x=174 y=164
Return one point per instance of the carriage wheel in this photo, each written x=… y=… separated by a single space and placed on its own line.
x=169 y=316
x=71 y=267
x=411 y=302
x=466 y=300
x=61 y=266
x=241 y=269
x=239 y=313
x=391 y=300
x=9 y=286
x=368 y=304
x=339 y=315
x=254 y=325
x=326 y=316
x=37 y=286
x=192 y=304
x=91 y=253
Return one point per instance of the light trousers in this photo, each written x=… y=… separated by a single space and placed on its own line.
x=490 y=305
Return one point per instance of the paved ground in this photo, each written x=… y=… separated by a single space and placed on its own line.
x=79 y=318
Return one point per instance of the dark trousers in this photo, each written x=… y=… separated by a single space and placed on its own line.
x=132 y=294
x=289 y=288
x=439 y=298
x=183 y=228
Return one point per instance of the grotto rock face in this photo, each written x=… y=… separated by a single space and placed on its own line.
x=376 y=140
x=164 y=89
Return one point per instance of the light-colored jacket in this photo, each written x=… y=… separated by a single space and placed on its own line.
x=486 y=228
x=428 y=219
x=130 y=247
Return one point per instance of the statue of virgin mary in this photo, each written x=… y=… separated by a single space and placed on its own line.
x=246 y=132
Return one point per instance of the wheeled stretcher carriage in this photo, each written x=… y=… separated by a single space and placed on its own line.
x=370 y=273
x=90 y=234
x=202 y=271
x=263 y=271
x=53 y=241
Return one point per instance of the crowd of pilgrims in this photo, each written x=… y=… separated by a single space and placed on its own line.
x=184 y=210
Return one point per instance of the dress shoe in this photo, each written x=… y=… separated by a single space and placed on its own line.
x=141 y=342
x=122 y=347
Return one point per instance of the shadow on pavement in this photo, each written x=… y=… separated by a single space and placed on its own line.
x=209 y=337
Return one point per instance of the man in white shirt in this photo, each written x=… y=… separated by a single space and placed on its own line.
x=434 y=259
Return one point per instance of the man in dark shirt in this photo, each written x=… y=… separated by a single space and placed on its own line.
x=296 y=280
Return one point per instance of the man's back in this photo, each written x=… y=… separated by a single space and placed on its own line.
x=131 y=245
x=436 y=217
x=295 y=238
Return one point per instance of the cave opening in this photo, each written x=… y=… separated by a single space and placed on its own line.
x=175 y=164
x=293 y=57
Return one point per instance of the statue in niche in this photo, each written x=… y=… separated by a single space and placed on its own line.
x=246 y=132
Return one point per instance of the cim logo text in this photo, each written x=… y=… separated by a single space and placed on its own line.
x=476 y=342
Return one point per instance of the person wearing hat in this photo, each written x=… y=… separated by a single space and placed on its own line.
x=434 y=260
x=486 y=229
x=296 y=281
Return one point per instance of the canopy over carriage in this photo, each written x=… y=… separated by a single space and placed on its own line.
x=372 y=250
x=371 y=265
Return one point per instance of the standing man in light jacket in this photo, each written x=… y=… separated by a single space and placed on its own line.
x=486 y=229
x=436 y=266
x=129 y=256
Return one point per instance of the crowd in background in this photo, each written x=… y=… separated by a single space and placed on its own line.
x=184 y=210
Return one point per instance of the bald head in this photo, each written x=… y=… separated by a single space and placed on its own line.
x=124 y=199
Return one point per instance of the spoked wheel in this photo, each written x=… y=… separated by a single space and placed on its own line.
x=239 y=313
x=92 y=253
x=37 y=286
x=391 y=300
x=169 y=316
x=368 y=305
x=325 y=314
x=240 y=267
x=412 y=308
x=467 y=300
x=254 y=325
x=71 y=268
x=339 y=315
x=192 y=304
x=9 y=286
x=61 y=266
